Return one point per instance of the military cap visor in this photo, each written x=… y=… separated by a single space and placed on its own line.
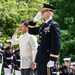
x=9 y=41
x=47 y=7
x=67 y=59
x=73 y=64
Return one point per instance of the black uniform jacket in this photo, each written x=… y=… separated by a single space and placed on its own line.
x=7 y=57
x=49 y=41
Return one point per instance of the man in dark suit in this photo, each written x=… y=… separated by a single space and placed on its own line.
x=49 y=40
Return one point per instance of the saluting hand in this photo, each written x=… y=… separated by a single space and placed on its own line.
x=17 y=30
x=37 y=17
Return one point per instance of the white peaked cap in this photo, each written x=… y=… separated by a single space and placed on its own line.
x=73 y=64
x=9 y=40
x=67 y=59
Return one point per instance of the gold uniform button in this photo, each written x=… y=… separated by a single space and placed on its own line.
x=39 y=40
x=40 y=36
x=40 y=32
x=38 y=44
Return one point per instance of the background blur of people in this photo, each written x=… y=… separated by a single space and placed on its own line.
x=56 y=69
x=16 y=62
x=8 y=58
x=1 y=47
x=1 y=55
x=66 y=70
x=73 y=67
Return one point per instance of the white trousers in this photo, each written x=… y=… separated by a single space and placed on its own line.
x=7 y=71
x=0 y=68
x=17 y=72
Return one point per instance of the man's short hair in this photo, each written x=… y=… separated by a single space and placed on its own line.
x=26 y=22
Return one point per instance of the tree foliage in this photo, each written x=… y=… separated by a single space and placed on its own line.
x=12 y=12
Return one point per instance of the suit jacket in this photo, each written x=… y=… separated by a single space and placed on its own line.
x=49 y=41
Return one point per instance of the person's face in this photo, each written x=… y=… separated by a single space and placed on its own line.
x=46 y=14
x=23 y=28
x=67 y=64
x=9 y=45
x=73 y=67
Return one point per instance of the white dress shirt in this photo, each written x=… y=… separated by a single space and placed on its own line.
x=28 y=48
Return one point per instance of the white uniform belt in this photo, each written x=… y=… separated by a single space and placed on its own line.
x=54 y=72
x=18 y=60
x=8 y=58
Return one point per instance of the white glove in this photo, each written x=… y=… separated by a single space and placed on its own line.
x=10 y=67
x=50 y=64
x=11 y=57
x=37 y=17
x=19 y=68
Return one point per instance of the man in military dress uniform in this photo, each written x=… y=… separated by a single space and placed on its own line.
x=66 y=69
x=8 y=59
x=16 y=59
x=49 y=40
